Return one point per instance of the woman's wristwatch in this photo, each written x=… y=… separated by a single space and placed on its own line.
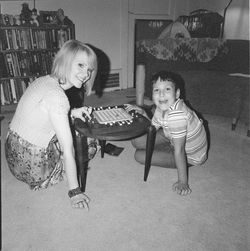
x=74 y=192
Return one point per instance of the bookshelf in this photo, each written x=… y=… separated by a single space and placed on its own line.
x=27 y=52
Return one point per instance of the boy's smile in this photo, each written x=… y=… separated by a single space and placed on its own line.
x=164 y=94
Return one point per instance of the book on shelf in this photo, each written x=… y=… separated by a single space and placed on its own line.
x=14 y=40
x=6 y=93
x=16 y=64
x=9 y=63
x=3 y=68
x=33 y=39
x=18 y=90
x=18 y=39
x=13 y=91
x=3 y=40
x=23 y=63
x=3 y=101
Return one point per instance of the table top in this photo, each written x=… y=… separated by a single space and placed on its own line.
x=136 y=128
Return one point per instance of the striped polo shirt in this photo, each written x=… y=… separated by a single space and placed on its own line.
x=180 y=121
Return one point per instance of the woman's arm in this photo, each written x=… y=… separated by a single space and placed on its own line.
x=181 y=186
x=61 y=126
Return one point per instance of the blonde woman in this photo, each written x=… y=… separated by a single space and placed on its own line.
x=42 y=119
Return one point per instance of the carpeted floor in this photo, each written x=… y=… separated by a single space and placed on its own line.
x=128 y=214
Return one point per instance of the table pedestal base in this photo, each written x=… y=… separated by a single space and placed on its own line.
x=82 y=162
x=149 y=150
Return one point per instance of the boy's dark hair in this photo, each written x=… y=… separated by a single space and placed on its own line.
x=175 y=78
x=166 y=76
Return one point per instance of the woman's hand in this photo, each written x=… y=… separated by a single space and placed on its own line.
x=80 y=201
x=79 y=113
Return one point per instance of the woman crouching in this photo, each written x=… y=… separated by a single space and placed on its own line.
x=39 y=146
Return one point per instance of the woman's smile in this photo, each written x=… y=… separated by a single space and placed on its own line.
x=80 y=72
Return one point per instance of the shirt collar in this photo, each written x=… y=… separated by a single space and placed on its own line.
x=173 y=106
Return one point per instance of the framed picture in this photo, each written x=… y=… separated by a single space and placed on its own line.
x=47 y=17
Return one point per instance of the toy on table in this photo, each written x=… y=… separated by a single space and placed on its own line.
x=111 y=116
x=104 y=125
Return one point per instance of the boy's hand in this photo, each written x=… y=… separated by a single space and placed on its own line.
x=129 y=107
x=181 y=188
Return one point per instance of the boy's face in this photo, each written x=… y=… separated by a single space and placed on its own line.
x=164 y=94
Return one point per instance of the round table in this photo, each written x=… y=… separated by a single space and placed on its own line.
x=139 y=126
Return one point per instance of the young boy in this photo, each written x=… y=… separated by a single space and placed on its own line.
x=181 y=139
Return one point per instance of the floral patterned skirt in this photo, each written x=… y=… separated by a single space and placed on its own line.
x=38 y=167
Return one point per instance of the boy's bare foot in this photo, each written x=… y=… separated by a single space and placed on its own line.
x=181 y=188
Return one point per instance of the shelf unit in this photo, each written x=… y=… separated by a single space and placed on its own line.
x=27 y=52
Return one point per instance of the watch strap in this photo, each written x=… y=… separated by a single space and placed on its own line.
x=74 y=192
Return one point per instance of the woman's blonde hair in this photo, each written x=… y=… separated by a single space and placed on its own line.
x=63 y=60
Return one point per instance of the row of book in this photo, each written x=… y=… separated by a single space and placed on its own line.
x=26 y=63
x=13 y=89
x=26 y=38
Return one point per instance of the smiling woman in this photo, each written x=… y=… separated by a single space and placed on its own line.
x=78 y=61
x=39 y=147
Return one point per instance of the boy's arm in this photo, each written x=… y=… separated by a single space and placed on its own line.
x=181 y=186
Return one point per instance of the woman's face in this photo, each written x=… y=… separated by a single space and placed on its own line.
x=80 y=72
x=164 y=94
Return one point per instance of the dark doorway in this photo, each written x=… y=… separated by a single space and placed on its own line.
x=147 y=29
